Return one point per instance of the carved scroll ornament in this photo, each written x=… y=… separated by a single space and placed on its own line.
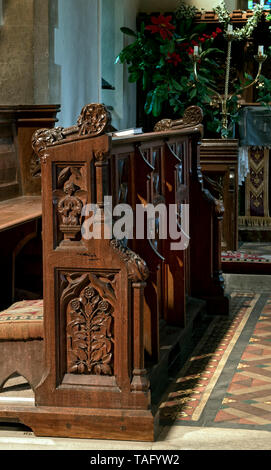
x=94 y=120
x=192 y=117
x=44 y=137
x=136 y=266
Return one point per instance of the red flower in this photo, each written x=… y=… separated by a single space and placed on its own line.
x=182 y=45
x=194 y=43
x=202 y=39
x=174 y=58
x=161 y=24
x=214 y=34
x=190 y=50
x=218 y=30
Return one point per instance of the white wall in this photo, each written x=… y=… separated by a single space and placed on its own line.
x=74 y=58
x=114 y=15
x=75 y=55
x=129 y=112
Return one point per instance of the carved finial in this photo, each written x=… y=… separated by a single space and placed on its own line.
x=101 y=156
x=42 y=138
x=136 y=266
x=192 y=117
x=93 y=120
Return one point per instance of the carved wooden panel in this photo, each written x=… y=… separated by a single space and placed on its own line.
x=88 y=304
x=219 y=163
x=69 y=197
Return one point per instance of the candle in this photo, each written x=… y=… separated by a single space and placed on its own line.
x=229 y=30
x=260 y=50
x=196 y=50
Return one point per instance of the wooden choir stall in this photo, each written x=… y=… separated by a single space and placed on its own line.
x=20 y=196
x=116 y=313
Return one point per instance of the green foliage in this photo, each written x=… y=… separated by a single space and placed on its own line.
x=264 y=91
x=163 y=67
x=160 y=60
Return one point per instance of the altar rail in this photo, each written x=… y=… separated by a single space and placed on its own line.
x=105 y=302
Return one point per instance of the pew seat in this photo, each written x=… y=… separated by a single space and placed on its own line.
x=21 y=341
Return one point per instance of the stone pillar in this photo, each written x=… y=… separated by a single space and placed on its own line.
x=41 y=51
x=24 y=52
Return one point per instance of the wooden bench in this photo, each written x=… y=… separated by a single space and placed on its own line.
x=116 y=314
x=21 y=323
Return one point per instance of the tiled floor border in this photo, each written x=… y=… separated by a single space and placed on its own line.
x=211 y=399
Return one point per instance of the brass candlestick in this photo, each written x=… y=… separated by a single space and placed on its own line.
x=224 y=99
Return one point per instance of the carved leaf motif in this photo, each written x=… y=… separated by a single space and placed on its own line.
x=74 y=369
x=81 y=368
x=88 y=309
x=136 y=266
x=106 y=369
x=96 y=346
x=89 y=331
x=81 y=354
x=80 y=334
x=107 y=358
x=73 y=284
x=95 y=300
x=76 y=176
x=97 y=355
x=63 y=176
x=98 y=320
x=97 y=369
x=80 y=344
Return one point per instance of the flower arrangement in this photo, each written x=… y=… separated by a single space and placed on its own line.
x=247 y=30
x=160 y=59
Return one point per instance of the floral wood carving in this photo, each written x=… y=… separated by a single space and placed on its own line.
x=136 y=266
x=34 y=167
x=89 y=302
x=192 y=117
x=93 y=120
x=70 y=200
x=215 y=185
x=44 y=137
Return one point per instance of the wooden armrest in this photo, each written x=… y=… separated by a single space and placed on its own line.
x=19 y=210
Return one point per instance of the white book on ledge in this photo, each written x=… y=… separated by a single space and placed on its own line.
x=125 y=132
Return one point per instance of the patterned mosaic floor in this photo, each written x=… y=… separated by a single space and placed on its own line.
x=227 y=380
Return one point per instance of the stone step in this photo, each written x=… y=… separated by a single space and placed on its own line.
x=247 y=282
